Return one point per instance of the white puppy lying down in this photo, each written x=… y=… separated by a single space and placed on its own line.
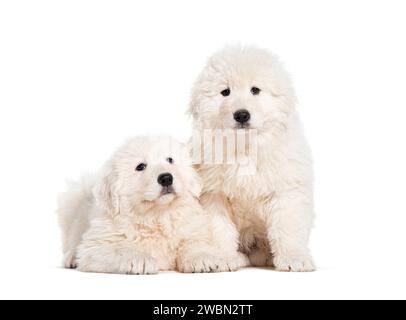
x=141 y=214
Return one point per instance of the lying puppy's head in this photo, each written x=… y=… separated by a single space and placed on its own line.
x=146 y=171
x=242 y=88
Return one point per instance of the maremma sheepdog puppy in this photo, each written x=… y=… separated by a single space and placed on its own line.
x=141 y=214
x=268 y=213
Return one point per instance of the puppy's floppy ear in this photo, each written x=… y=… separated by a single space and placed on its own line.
x=197 y=98
x=194 y=104
x=191 y=178
x=105 y=191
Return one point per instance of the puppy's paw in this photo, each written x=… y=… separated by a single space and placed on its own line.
x=294 y=263
x=117 y=261
x=142 y=264
x=69 y=260
x=212 y=263
x=234 y=262
x=199 y=264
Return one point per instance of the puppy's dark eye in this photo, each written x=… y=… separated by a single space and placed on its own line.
x=170 y=160
x=255 y=91
x=226 y=92
x=141 y=167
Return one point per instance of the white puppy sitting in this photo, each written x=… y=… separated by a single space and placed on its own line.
x=141 y=214
x=267 y=214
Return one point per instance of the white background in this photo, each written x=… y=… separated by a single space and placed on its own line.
x=78 y=77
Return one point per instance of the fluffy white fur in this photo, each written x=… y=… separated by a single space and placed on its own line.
x=120 y=221
x=267 y=215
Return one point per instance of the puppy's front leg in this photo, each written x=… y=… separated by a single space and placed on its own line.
x=289 y=217
x=224 y=230
x=115 y=259
x=214 y=247
x=201 y=257
x=195 y=256
x=105 y=250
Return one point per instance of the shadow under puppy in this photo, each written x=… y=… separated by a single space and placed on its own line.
x=141 y=214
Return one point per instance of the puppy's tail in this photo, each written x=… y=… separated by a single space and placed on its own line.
x=73 y=211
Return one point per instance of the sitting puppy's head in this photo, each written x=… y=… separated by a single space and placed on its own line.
x=145 y=172
x=242 y=88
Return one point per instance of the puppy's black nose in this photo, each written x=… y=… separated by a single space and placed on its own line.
x=242 y=116
x=165 y=179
